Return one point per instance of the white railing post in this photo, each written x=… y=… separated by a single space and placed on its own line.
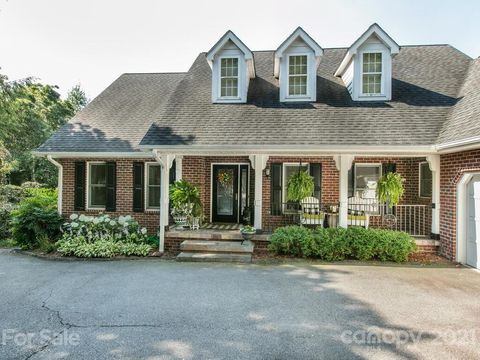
x=259 y=162
x=343 y=164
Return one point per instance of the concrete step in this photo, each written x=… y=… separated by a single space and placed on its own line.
x=211 y=246
x=214 y=257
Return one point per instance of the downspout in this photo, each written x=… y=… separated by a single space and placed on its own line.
x=60 y=182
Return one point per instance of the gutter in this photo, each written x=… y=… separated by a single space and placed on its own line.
x=60 y=182
x=459 y=145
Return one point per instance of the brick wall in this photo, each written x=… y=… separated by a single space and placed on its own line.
x=149 y=219
x=452 y=168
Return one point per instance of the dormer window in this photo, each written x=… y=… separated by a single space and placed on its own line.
x=366 y=69
x=372 y=73
x=297 y=75
x=296 y=63
x=229 y=78
x=232 y=69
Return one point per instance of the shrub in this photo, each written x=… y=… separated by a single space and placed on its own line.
x=334 y=244
x=102 y=236
x=36 y=216
x=5 y=219
x=11 y=194
x=290 y=240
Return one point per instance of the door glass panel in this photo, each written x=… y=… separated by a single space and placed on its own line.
x=225 y=192
x=243 y=190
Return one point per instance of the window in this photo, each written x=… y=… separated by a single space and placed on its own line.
x=229 y=77
x=97 y=189
x=372 y=74
x=153 y=186
x=425 y=180
x=288 y=170
x=365 y=174
x=297 y=75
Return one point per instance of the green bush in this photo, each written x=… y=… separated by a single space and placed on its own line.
x=10 y=196
x=103 y=237
x=334 y=244
x=36 y=216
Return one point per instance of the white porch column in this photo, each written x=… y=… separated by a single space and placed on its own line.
x=165 y=161
x=343 y=164
x=259 y=162
x=60 y=182
x=434 y=164
x=178 y=167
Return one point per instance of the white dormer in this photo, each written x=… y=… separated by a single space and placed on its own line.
x=366 y=69
x=296 y=63
x=232 y=68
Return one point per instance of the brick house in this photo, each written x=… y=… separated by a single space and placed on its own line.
x=345 y=115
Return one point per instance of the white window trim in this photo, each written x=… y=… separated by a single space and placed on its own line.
x=307 y=95
x=420 y=180
x=382 y=81
x=363 y=165
x=146 y=176
x=284 y=177
x=88 y=192
x=238 y=97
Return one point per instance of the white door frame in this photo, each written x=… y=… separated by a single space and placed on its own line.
x=462 y=204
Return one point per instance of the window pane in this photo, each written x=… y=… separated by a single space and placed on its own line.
x=297 y=65
x=154 y=175
x=98 y=174
x=364 y=174
x=153 y=196
x=372 y=84
x=97 y=196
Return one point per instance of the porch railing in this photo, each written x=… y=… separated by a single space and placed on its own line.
x=410 y=218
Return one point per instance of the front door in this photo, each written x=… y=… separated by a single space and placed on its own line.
x=473 y=222
x=229 y=192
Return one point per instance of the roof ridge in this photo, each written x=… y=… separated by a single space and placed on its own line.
x=156 y=73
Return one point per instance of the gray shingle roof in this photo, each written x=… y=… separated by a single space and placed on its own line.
x=426 y=80
x=464 y=119
x=117 y=119
x=176 y=109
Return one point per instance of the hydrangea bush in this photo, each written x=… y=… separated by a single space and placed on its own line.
x=103 y=236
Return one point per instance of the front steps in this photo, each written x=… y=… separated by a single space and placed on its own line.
x=215 y=251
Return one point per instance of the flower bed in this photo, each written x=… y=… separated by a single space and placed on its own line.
x=102 y=236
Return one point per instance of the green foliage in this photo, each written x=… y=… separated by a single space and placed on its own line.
x=36 y=216
x=102 y=236
x=183 y=193
x=7 y=243
x=300 y=185
x=29 y=113
x=335 y=244
x=390 y=188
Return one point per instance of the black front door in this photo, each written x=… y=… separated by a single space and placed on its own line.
x=225 y=193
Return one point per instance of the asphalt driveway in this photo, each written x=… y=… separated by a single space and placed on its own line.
x=169 y=310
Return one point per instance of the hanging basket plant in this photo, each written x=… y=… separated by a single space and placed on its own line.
x=390 y=189
x=300 y=186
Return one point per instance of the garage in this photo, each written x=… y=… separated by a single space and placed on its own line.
x=473 y=222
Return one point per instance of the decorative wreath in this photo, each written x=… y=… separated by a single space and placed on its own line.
x=225 y=178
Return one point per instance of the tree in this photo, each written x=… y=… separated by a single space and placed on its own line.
x=29 y=113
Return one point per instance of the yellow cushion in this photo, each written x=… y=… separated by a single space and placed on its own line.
x=313 y=216
x=357 y=217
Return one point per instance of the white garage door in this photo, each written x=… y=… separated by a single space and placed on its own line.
x=473 y=222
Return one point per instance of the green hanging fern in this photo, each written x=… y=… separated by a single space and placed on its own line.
x=300 y=186
x=390 y=188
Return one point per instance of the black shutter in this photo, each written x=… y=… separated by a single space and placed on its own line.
x=111 y=195
x=79 y=201
x=276 y=188
x=173 y=173
x=351 y=181
x=316 y=173
x=389 y=167
x=138 y=186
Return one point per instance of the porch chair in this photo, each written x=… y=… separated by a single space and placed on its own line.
x=360 y=209
x=311 y=214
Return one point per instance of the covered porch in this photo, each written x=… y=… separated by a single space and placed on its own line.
x=239 y=189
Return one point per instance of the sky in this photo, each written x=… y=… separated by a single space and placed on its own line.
x=92 y=42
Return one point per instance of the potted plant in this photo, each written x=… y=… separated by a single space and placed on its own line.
x=186 y=203
x=389 y=191
x=300 y=185
x=247 y=232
